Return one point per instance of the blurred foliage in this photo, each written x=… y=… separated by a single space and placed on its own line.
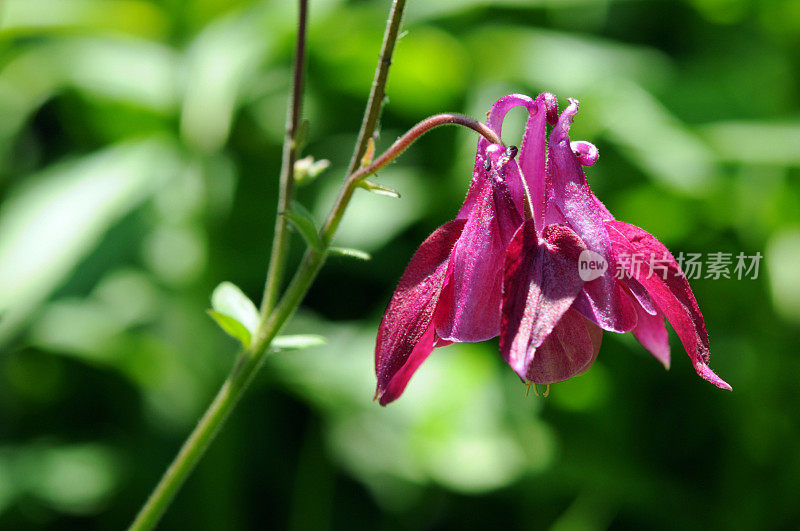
x=139 y=153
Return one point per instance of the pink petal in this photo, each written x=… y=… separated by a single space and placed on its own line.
x=670 y=293
x=568 y=351
x=495 y=122
x=586 y=152
x=540 y=284
x=650 y=329
x=502 y=169
x=507 y=191
x=400 y=379
x=640 y=294
x=652 y=334
x=405 y=336
x=479 y=178
x=570 y=200
x=470 y=309
x=607 y=306
x=532 y=152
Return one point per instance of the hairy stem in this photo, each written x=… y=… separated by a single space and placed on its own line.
x=280 y=241
x=400 y=145
x=378 y=91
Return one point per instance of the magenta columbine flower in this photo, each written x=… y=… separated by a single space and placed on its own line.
x=510 y=265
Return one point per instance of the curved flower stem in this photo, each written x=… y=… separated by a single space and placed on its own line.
x=280 y=242
x=314 y=259
x=400 y=145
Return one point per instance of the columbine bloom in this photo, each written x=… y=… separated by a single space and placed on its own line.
x=508 y=265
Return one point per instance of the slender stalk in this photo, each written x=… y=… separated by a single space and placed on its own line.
x=280 y=242
x=251 y=359
x=378 y=91
x=192 y=449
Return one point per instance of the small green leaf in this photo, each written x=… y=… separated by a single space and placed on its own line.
x=232 y=327
x=298 y=208
x=305 y=227
x=296 y=342
x=379 y=189
x=234 y=312
x=350 y=253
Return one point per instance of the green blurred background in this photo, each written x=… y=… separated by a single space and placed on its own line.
x=139 y=153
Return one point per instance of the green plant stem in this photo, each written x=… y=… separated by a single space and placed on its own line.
x=194 y=447
x=251 y=359
x=378 y=91
x=280 y=242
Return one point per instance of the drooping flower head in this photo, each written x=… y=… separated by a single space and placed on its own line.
x=509 y=265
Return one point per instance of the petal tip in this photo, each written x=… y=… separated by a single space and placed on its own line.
x=550 y=104
x=705 y=372
x=586 y=152
x=571 y=110
x=383 y=398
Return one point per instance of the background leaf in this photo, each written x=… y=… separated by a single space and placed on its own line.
x=52 y=222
